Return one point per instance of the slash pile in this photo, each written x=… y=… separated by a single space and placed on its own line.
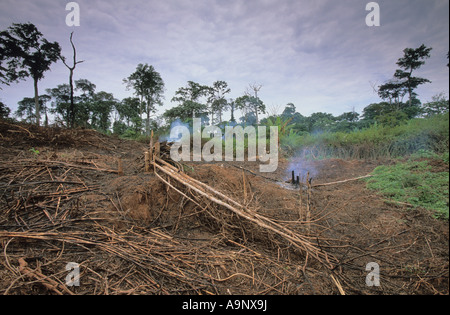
x=196 y=228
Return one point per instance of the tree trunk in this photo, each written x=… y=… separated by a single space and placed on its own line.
x=141 y=107
x=46 y=118
x=72 y=105
x=256 y=109
x=232 y=112
x=409 y=87
x=147 y=124
x=410 y=97
x=36 y=102
x=71 y=114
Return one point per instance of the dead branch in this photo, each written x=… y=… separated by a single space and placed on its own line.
x=47 y=282
x=342 y=181
x=298 y=241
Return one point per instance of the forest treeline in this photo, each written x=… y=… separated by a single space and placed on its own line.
x=25 y=53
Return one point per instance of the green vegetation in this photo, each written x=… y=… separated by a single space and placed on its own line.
x=375 y=142
x=34 y=151
x=415 y=182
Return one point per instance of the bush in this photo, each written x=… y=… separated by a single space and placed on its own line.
x=378 y=141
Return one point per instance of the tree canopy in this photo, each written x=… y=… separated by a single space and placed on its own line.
x=27 y=54
x=149 y=87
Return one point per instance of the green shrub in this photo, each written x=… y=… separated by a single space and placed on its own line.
x=378 y=141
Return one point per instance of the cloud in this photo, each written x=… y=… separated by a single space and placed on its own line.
x=319 y=55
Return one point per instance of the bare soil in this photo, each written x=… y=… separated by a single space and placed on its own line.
x=63 y=201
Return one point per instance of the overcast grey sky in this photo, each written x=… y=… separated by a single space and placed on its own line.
x=319 y=55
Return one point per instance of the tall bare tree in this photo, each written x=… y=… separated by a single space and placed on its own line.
x=71 y=69
x=258 y=106
x=252 y=100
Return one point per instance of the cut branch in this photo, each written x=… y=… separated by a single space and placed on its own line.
x=342 y=181
x=302 y=243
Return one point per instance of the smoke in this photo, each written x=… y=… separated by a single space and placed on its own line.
x=174 y=126
x=301 y=166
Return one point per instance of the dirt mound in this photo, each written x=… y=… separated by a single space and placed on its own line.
x=146 y=200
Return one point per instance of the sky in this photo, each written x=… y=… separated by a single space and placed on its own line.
x=319 y=55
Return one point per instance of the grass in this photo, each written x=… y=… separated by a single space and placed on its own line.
x=415 y=182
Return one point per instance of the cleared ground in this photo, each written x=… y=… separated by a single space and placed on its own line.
x=62 y=200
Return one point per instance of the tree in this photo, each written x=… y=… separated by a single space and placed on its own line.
x=28 y=54
x=189 y=99
x=393 y=91
x=249 y=119
x=232 y=104
x=82 y=103
x=349 y=117
x=289 y=110
x=149 y=87
x=346 y=122
x=101 y=107
x=320 y=121
x=27 y=108
x=390 y=114
x=372 y=111
x=91 y=109
x=438 y=105
x=412 y=60
x=128 y=111
x=4 y=110
x=411 y=108
x=250 y=104
x=217 y=99
x=257 y=105
x=61 y=102
x=186 y=111
x=71 y=69
x=9 y=53
x=393 y=118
